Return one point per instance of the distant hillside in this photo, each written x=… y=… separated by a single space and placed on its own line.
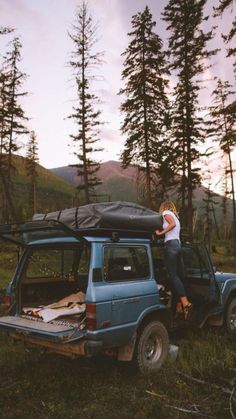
x=117 y=183
x=107 y=171
x=53 y=192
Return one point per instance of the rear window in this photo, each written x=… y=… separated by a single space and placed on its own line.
x=56 y=264
x=126 y=263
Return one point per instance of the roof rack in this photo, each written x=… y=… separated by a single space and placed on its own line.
x=116 y=233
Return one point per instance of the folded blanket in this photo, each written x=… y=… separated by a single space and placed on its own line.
x=49 y=314
x=78 y=297
x=67 y=306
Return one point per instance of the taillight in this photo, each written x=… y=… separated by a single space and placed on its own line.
x=91 y=321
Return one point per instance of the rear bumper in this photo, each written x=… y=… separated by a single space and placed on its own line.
x=92 y=348
x=80 y=348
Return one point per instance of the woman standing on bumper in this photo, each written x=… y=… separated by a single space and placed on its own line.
x=171 y=230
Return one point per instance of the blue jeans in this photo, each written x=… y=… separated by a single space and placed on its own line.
x=174 y=266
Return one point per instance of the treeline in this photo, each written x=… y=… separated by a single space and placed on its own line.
x=167 y=132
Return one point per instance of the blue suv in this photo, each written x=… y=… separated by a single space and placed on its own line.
x=126 y=305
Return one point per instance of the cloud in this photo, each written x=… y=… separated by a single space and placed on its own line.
x=110 y=135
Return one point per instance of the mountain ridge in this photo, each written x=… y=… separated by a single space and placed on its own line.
x=107 y=170
x=113 y=169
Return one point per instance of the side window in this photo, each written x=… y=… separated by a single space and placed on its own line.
x=126 y=263
x=196 y=263
x=205 y=262
x=191 y=261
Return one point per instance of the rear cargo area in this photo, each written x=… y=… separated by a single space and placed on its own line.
x=52 y=288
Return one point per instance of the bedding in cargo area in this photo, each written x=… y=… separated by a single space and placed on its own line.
x=68 y=306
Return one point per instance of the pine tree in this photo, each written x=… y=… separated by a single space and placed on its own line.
x=85 y=114
x=187 y=49
x=230 y=37
x=223 y=130
x=209 y=215
x=3 y=31
x=145 y=105
x=4 y=97
x=224 y=204
x=31 y=170
x=15 y=118
x=7 y=205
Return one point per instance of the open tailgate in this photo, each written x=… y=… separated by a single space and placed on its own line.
x=38 y=329
x=23 y=233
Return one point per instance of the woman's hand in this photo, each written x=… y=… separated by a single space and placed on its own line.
x=171 y=224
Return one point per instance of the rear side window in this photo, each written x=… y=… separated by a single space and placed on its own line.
x=126 y=263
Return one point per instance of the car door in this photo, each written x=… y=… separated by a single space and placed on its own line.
x=128 y=275
x=199 y=278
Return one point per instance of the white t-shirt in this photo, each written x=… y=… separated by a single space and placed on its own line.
x=175 y=232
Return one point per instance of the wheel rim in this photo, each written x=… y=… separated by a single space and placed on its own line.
x=153 y=348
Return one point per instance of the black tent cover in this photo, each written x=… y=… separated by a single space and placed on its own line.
x=120 y=215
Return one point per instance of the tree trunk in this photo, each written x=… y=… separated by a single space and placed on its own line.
x=86 y=186
x=9 y=201
x=232 y=181
x=188 y=137
x=11 y=124
x=148 y=172
x=233 y=203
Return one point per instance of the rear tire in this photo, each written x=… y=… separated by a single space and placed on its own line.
x=230 y=317
x=152 y=347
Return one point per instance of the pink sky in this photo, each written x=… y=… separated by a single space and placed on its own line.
x=43 y=28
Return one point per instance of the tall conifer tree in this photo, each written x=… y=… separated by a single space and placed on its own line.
x=7 y=205
x=223 y=130
x=15 y=118
x=145 y=104
x=31 y=170
x=12 y=117
x=229 y=38
x=85 y=114
x=187 y=48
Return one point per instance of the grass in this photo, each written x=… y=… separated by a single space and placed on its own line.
x=39 y=385
x=35 y=384
x=8 y=262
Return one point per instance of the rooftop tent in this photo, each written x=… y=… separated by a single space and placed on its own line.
x=119 y=215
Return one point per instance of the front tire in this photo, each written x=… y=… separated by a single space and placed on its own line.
x=230 y=317
x=152 y=347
